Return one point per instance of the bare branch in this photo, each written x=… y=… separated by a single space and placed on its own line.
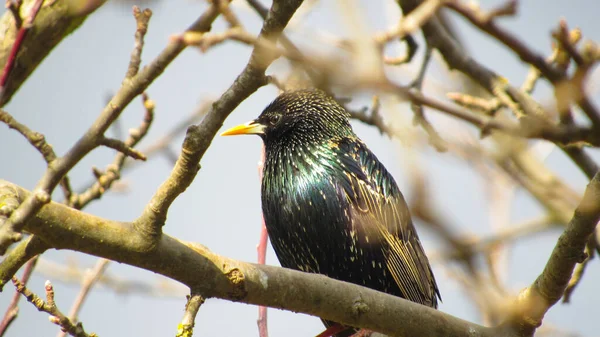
x=23 y=29
x=579 y=270
x=419 y=116
x=261 y=250
x=73 y=276
x=549 y=287
x=18 y=256
x=49 y=306
x=199 y=137
x=122 y=147
x=55 y=20
x=186 y=327
x=141 y=19
x=282 y=288
x=90 y=279
x=486 y=23
x=10 y=230
x=104 y=180
x=38 y=141
x=410 y=23
x=15 y=8
x=13 y=308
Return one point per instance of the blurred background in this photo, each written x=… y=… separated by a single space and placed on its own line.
x=222 y=207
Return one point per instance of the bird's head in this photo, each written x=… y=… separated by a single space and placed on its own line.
x=305 y=115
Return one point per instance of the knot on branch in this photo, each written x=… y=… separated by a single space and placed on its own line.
x=359 y=307
x=237 y=280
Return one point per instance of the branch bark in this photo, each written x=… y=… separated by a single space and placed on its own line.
x=54 y=21
x=550 y=286
x=215 y=276
x=132 y=87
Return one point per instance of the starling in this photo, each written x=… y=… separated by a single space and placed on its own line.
x=329 y=205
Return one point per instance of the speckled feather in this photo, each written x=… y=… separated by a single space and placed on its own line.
x=331 y=207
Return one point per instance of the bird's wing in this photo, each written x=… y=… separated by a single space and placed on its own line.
x=381 y=217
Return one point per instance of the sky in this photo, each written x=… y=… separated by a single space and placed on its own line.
x=222 y=207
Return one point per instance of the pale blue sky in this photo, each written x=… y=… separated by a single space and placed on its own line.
x=222 y=207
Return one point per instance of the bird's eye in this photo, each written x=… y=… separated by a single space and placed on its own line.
x=274 y=119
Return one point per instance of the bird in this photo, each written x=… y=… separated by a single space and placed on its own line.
x=330 y=206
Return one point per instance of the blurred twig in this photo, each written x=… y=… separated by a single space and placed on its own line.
x=75 y=276
x=90 y=279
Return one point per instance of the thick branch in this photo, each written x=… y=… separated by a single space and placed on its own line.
x=54 y=21
x=216 y=276
x=549 y=287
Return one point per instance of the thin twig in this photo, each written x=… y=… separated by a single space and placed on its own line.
x=419 y=116
x=411 y=51
x=49 y=306
x=15 y=8
x=373 y=117
x=485 y=21
x=411 y=22
x=13 y=309
x=74 y=276
x=142 y=18
x=579 y=270
x=122 y=147
x=23 y=252
x=186 y=327
x=38 y=141
x=104 y=180
x=503 y=237
x=207 y=41
x=199 y=137
x=10 y=230
x=90 y=279
x=227 y=13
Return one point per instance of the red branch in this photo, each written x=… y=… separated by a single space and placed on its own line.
x=21 y=33
x=13 y=307
x=261 y=249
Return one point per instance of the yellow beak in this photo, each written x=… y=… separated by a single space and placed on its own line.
x=250 y=128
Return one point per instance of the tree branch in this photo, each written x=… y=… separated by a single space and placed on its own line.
x=49 y=306
x=10 y=230
x=549 y=287
x=54 y=21
x=186 y=327
x=38 y=141
x=13 y=308
x=216 y=276
x=90 y=279
x=200 y=136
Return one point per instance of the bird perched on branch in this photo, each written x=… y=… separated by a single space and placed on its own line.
x=329 y=205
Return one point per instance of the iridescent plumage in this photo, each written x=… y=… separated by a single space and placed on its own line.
x=331 y=207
